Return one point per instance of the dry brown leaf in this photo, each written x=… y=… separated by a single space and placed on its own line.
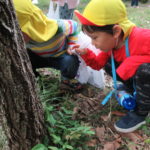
x=139 y=136
x=133 y=136
x=92 y=142
x=45 y=71
x=132 y=146
x=75 y=110
x=100 y=132
x=109 y=146
x=105 y=118
x=118 y=138
x=112 y=145
x=117 y=144
x=118 y=113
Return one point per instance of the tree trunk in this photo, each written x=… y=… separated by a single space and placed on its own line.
x=22 y=112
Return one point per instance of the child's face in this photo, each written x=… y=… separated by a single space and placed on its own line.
x=102 y=40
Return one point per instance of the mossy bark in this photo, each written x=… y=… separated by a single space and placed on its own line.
x=20 y=108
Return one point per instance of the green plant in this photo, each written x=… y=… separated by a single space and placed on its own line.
x=3 y=139
x=135 y=16
x=65 y=133
x=147 y=141
x=40 y=147
x=146 y=128
x=143 y=1
x=43 y=4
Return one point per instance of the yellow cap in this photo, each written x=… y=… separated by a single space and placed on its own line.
x=106 y=12
x=33 y=22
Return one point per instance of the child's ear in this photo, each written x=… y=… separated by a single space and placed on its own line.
x=117 y=31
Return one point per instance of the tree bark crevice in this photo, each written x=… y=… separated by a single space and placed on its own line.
x=23 y=117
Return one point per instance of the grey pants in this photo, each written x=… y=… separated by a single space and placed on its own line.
x=142 y=80
x=65 y=12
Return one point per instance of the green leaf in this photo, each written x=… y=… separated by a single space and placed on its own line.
x=51 y=119
x=39 y=147
x=51 y=130
x=147 y=141
x=67 y=111
x=57 y=139
x=50 y=108
x=67 y=146
x=53 y=148
x=46 y=141
x=61 y=126
x=61 y=114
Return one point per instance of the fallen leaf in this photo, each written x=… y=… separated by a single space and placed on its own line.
x=75 y=110
x=100 y=132
x=45 y=71
x=105 y=117
x=109 y=146
x=139 y=136
x=135 y=137
x=92 y=142
x=118 y=113
x=117 y=144
x=112 y=145
x=132 y=146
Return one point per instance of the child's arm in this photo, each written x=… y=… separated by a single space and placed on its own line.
x=96 y=62
x=76 y=50
x=73 y=34
x=69 y=28
x=91 y=59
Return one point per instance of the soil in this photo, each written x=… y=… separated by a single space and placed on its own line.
x=88 y=109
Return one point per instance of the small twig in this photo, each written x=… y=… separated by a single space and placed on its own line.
x=112 y=133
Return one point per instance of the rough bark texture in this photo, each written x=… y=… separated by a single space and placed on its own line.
x=19 y=104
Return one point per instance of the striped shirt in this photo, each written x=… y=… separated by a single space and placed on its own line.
x=65 y=37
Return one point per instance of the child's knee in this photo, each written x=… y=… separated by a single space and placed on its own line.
x=71 y=60
x=143 y=70
x=70 y=66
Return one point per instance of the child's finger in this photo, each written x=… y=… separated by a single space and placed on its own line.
x=69 y=51
x=78 y=51
x=81 y=51
x=75 y=46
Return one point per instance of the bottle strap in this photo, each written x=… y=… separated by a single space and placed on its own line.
x=113 y=71
x=128 y=54
x=109 y=95
x=127 y=47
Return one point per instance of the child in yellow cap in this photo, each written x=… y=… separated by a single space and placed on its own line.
x=106 y=22
x=47 y=41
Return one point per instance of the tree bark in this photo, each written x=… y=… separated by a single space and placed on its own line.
x=20 y=108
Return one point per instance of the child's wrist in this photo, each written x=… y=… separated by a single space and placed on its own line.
x=82 y=52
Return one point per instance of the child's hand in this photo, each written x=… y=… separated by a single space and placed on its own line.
x=76 y=50
x=72 y=50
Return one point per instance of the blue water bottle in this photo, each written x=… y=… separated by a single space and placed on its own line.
x=126 y=100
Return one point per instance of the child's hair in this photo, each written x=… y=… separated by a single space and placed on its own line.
x=91 y=29
x=107 y=28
